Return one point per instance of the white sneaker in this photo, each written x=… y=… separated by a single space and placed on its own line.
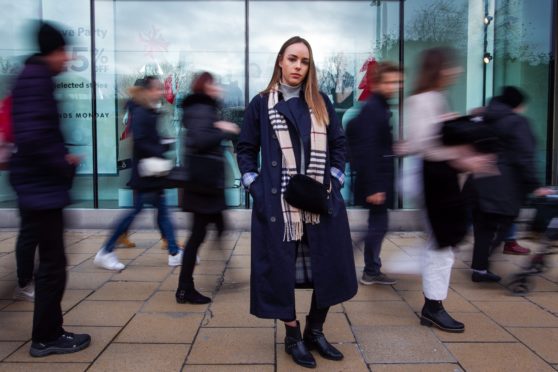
x=26 y=293
x=108 y=261
x=198 y=261
x=176 y=260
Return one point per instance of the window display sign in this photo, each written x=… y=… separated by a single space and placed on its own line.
x=74 y=88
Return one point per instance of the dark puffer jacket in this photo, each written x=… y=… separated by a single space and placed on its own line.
x=147 y=144
x=39 y=172
x=203 y=138
x=504 y=194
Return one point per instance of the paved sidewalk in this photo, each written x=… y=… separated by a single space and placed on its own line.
x=136 y=325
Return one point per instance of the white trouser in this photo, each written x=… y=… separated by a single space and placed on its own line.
x=436 y=273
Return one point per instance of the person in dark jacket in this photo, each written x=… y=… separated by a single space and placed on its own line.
x=204 y=133
x=371 y=154
x=146 y=96
x=293 y=126
x=499 y=197
x=41 y=173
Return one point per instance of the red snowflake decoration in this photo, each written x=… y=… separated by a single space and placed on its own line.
x=153 y=41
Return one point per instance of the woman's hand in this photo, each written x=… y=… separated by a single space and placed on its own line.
x=227 y=126
x=543 y=191
x=377 y=198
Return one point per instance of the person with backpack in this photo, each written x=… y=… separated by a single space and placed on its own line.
x=41 y=174
x=498 y=198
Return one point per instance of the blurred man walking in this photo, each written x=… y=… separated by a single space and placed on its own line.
x=41 y=173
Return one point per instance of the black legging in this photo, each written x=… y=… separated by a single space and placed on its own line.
x=199 y=230
x=490 y=230
x=316 y=316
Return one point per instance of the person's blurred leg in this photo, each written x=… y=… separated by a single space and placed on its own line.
x=186 y=291
x=26 y=246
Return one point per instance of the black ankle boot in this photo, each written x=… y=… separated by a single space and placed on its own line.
x=434 y=314
x=295 y=347
x=191 y=296
x=315 y=340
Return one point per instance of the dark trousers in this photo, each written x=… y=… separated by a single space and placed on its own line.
x=316 y=316
x=377 y=229
x=26 y=245
x=490 y=231
x=50 y=280
x=199 y=230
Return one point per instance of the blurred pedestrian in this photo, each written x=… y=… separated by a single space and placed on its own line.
x=371 y=153
x=295 y=129
x=146 y=97
x=499 y=196
x=204 y=133
x=444 y=205
x=41 y=173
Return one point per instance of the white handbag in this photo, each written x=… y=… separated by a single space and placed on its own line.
x=154 y=167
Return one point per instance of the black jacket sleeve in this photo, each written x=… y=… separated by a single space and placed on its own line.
x=248 y=147
x=336 y=138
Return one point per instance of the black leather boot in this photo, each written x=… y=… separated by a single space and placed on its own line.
x=434 y=314
x=315 y=340
x=191 y=296
x=295 y=347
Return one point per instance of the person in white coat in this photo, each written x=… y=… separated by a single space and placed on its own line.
x=441 y=196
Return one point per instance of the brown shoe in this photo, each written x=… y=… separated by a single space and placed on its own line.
x=512 y=247
x=124 y=241
x=165 y=244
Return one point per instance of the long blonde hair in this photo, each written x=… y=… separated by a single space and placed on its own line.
x=312 y=94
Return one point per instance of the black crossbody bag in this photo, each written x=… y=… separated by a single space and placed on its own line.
x=306 y=193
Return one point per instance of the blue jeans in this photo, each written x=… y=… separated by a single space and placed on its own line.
x=156 y=199
x=511 y=233
x=377 y=229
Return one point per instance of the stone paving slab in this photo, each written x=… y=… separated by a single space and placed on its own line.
x=417 y=367
x=497 y=357
x=401 y=344
x=141 y=357
x=136 y=324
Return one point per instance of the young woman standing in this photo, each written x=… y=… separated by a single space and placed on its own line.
x=295 y=130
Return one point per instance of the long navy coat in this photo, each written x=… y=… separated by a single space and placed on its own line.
x=272 y=280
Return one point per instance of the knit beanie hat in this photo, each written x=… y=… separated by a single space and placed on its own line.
x=49 y=39
x=512 y=96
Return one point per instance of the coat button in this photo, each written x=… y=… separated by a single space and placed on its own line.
x=274 y=136
x=274 y=191
x=273 y=219
x=330 y=211
x=273 y=163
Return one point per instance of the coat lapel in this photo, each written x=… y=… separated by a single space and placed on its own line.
x=297 y=114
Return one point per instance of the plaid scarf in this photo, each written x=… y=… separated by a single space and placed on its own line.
x=294 y=217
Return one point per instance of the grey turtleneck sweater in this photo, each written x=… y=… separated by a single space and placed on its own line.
x=289 y=91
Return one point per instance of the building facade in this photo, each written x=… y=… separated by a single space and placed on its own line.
x=114 y=42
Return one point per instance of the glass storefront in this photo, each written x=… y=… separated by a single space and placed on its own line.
x=115 y=42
